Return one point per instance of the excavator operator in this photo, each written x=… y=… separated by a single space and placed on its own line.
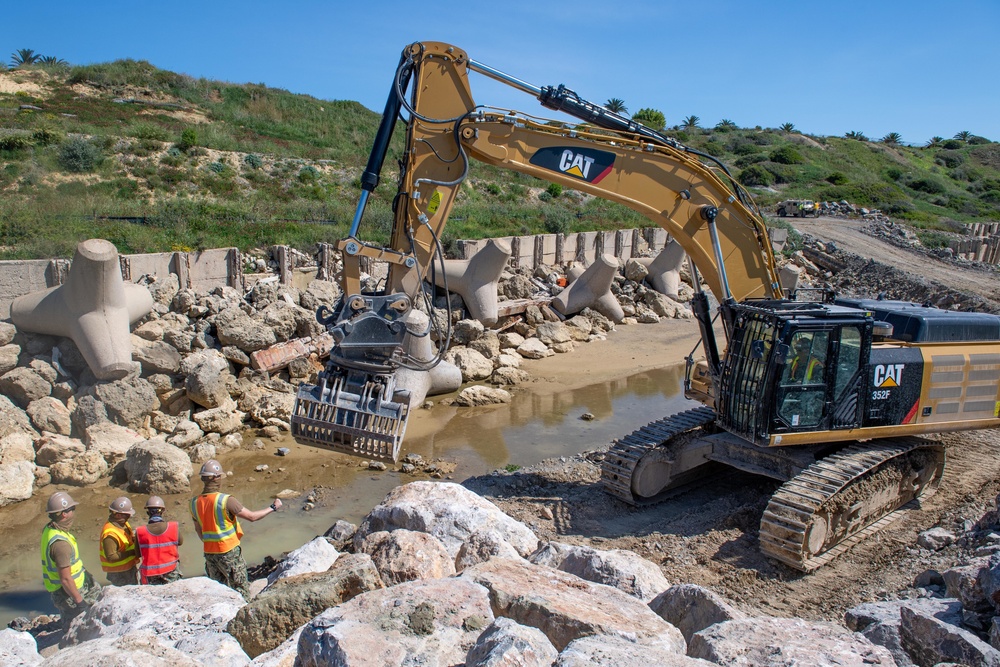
x=805 y=366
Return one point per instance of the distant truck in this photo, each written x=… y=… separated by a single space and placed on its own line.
x=798 y=208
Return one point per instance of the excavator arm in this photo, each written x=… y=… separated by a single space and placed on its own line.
x=607 y=155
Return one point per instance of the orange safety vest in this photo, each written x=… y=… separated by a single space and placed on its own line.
x=219 y=533
x=159 y=552
x=125 y=538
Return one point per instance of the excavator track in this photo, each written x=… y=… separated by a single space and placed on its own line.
x=843 y=498
x=626 y=454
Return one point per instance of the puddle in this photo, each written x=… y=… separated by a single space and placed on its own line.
x=532 y=428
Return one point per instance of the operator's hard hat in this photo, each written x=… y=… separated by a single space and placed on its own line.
x=211 y=468
x=60 y=501
x=802 y=344
x=155 y=502
x=121 y=505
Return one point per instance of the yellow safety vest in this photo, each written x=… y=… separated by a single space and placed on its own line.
x=810 y=368
x=125 y=538
x=219 y=533
x=50 y=573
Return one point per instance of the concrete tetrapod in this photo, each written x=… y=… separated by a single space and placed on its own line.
x=476 y=279
x=592 y=290
x=440 y=379
x=665 y=269
x=94 y=307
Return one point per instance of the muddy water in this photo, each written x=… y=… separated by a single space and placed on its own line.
x=533 y=427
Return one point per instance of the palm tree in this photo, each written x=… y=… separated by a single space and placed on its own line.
x=50 y=61
x=725 y=124
x=893 y=138
x=787 y=127
x=934 y=141
x=964 y=135
x=24 y=57
x=616 y=105
x=690 y=122
x=859 y=136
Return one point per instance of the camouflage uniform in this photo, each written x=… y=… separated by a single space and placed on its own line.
x=69 y=609
x=229 y=569
x=126 y=578
x=173 y=575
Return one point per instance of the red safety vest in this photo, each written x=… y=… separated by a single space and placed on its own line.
x=159 y=552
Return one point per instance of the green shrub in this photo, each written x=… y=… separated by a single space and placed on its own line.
x=951 y=144
x=714 y=147
x=787 y=155
x=554 y=189
x=991 y=196
x=493 y=188
x=308 y=174
x=748 y=160
x=217 y=167
x=756 y=175
x=46 y=136
x=742 y=146
x=14 y=142
x=253 y=161
x=950 y=159
x=79 y=155
x=976 y=140
x=930 y=238
x=147 y=131
x=189 y=139
x=556 y=220
x=892 y=173
x=929 y=185
x=837 y=178
x=783 y=173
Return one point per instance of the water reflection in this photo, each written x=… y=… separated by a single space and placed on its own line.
x=534 y=426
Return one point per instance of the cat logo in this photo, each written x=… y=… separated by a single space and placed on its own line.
x=888 y=375
x=585 y=164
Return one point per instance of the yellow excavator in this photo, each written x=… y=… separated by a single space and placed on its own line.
x=828 y=396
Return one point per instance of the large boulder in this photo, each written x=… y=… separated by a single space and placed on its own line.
x=190 y=615
x=449 y=512
x=481 y=547
x=880 y=621
x=425 y=622
x=127 y=401
x=54 y=448
x=154 y=466
x=693 y=608
x=929 y=641
x=405 y=555
x=50 y=414
x=13 y=419
x=619 y=651
x=157 y=357
x=16 y=481
x=223 y=419
x=82 y=470
x=17 y=446
x=24 y=385
x=206 y=381
x=472 y=363
x=275 y=614
x=779 y=642
x=234 y=327
x=142 y=649
x=625 y=570
x=505 y=642
x=111 y=441
x=566 y=607
x=317 y=555
x=18 y=649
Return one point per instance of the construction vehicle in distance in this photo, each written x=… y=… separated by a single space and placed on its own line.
x=821 y=396
x=797 y=208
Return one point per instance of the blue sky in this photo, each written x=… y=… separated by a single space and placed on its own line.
x=919 y=68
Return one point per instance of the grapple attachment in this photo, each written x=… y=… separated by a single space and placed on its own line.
x=366 y=420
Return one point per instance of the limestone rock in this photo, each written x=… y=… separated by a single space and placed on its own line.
x=223 y=419
x=111 y=441
x=23 y=385
x=619 y=651
x=190 y=615
x=54 y=448
x=18 y=649
x=82 y=470
x=692 y=608
x=206 y=382
x=478 y=395
x=275 y=613
x=154 y=466
x=142 y=649
x=50 y=414
x=157 y=357
x=234 y=327
x=552 y=333
x=449 y=512
x=13 y=419
x=317 y=555
x=9 y=355
x=565 y=607
x=128 y=400
x=778 y=642
x=405 y=555
x=532 y=348
x=481 y=547
x=506 y=643
x=627 y=571
x=17 y=446
x=929 y=641
x=424 y=622
x=880 y=621
x=473 y=364
x=17 y=480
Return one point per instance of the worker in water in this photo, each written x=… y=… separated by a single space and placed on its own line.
x=72 y=588
x=158 y=541
x=119 y=552
x=805 y=366
x=216 y=519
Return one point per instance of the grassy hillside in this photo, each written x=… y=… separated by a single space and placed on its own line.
x=153 y=160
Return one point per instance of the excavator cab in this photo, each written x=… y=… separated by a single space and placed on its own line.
x=793 y=367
